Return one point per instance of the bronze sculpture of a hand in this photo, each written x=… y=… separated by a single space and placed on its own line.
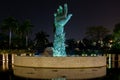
x=60 y=19
x=62 y=16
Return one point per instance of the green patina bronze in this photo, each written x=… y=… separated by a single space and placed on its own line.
x=61 y=17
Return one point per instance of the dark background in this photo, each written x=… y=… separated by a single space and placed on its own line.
x=85 y=13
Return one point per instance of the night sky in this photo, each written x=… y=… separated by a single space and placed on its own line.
x=85 y=13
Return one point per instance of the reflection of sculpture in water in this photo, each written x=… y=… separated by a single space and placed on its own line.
x=60 y=19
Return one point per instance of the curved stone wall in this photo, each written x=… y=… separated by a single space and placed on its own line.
x=60 y=62
x=69 y=74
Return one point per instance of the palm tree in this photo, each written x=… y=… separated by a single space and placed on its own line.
x=24 y=30
x=10 y=25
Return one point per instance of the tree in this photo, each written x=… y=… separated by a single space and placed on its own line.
x=108 y=38
x=24 y=30
x=71 y=45
x=3 y=41
x=96 y=32
x=116 y=32
x=41 y=39
x=9 y=24
x=116 y=40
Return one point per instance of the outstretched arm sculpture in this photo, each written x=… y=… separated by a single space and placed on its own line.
x=60 y=19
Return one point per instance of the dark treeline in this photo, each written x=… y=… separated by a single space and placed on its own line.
x=16 y=35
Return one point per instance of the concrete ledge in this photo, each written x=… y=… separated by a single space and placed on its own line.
x=60 y=62
x=69 y=74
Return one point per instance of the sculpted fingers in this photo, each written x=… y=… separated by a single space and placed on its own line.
x=65 y=10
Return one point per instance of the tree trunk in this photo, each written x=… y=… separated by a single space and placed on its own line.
x=26 y=41
x=10 y=36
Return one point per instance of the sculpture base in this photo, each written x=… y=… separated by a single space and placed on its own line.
x=60 y=62
x=58 y=74
x=60 y=67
